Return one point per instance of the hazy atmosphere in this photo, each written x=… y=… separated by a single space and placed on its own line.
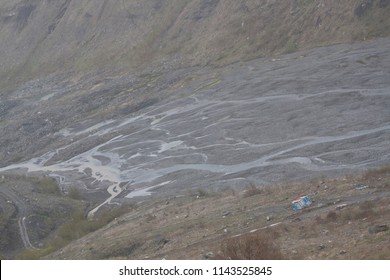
x=189 y=129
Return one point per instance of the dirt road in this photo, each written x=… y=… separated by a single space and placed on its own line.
x=22 y=213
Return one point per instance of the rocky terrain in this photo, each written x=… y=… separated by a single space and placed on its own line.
x=43 y=37
x=124 y=102
x=349 y=219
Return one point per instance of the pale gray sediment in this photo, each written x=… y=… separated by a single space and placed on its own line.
x=308 y=114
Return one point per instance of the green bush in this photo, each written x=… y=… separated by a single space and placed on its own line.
x=79 y=225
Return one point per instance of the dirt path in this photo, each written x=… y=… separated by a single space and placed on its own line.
x=22 y=212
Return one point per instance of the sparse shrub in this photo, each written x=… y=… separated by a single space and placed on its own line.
x=252 y=191
x=319 y=220
x=48 y=185
x=292 y=47
x=150 y=217
x=331 y=216
x=77 y=227
x=365 y=210
x=74 y=193
x=5 y=233
x=202 y=193
x=259 y=246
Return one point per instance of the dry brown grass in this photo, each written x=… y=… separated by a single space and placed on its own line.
x=198 y=227
x=364 y=211
x=258 y=246
x=382 y=171
x=252 y=191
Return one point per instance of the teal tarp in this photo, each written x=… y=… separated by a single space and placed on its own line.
x=301 y=203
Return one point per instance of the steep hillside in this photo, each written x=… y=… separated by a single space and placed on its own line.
x=189 y=132
x=39 y=37
x=149 y=107
x=348 y=220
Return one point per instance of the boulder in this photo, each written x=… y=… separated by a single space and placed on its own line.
x=378 y=228
x=363 y=7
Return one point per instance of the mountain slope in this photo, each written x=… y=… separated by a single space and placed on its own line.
x=40 y=37
x=122 y=100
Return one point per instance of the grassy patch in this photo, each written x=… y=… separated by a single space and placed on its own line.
x=77 y=227
x=5 y=233
x=47 y=185
x=74 y=193
x=292 y=47
x=30 y=254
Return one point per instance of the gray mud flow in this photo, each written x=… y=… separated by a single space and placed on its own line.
x=320 y=112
